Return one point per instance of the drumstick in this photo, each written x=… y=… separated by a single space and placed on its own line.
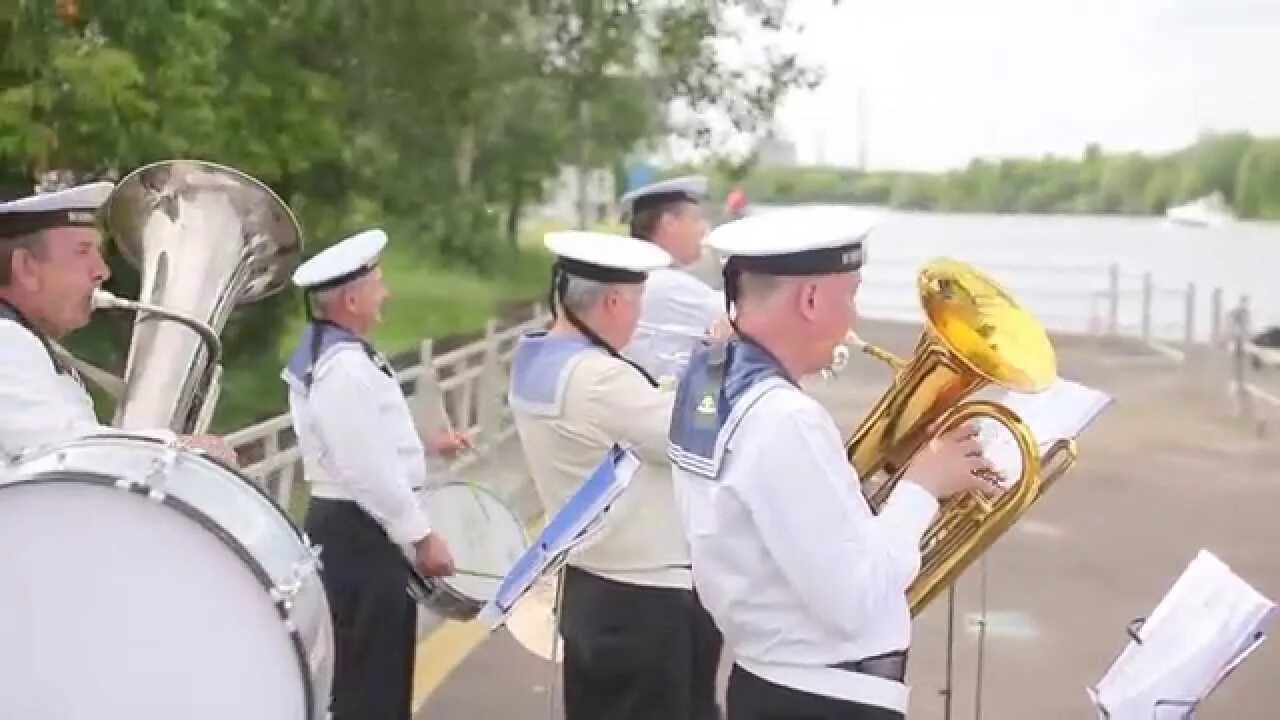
x=477 y=573
x=475 y=495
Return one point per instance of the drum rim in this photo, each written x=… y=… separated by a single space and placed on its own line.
x=524 y=532
x=240 y=474
x=106 y=480
x=428 y=588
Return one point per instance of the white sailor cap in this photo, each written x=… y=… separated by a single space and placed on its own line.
x=817 y=240
x=342 y=262
x=690 y=188
x=605 y=257
x=73 y=207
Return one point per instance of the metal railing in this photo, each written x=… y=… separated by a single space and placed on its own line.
x=463 y=388
x=1187 y=324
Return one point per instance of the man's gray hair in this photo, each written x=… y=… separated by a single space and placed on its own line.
x=757 y=287
x=581 y=294
x=31 y=242
x=323 y=299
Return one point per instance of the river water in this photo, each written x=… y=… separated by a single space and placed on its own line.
x=1056 y=265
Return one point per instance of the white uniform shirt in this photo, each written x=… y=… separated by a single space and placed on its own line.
x=677 y=312
x=359 y=443
x=790 y=561
x=38 y=405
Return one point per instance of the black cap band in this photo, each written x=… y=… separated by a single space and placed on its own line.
x=17 y=224
x=644 y=202
x=343 y=278
x=600 y=273
x=823 y=261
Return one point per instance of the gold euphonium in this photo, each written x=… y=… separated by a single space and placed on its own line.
x=975 y=335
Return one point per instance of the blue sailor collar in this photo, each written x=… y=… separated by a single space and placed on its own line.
x=723 y=381
x=540 y=368
x=321 y=339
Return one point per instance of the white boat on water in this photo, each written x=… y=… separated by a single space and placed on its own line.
x=1208 y=211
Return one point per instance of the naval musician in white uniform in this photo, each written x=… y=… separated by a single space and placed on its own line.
x=628 y=616
x=679 y=311
x=808 y=586
x=50 y=264
x=364 y=460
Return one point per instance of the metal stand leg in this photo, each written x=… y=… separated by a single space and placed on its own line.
x=556 y=666
x=951 y=645
x=982 y=638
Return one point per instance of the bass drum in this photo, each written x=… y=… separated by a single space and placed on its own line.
x=144 y=581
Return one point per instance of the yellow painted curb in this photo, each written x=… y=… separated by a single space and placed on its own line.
x=443 y=650
x=440 y=653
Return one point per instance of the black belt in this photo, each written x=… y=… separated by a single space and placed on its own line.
x=890 y=666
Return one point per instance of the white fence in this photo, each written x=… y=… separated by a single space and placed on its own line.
x=463 y=388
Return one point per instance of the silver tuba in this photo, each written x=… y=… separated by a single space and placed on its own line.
x=205 y=238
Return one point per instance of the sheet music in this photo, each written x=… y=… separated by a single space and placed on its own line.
x=1062 y=411
x=564 y=532
x=1203 y=627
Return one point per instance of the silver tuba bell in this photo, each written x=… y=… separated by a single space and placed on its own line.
x=205 y=238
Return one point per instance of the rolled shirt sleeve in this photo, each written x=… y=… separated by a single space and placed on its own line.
x=352 y=408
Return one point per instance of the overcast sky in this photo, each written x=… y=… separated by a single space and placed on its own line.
x=945 y=81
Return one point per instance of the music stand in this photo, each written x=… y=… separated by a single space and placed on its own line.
x=1188 y=706
x=570 y=527
x=1250 y=613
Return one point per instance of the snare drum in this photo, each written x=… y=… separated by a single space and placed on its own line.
x=485 y=538
x=140 y=580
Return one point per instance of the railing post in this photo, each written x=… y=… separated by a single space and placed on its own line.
x=1240 y=333
x=270 y=447
x=284 y=491
x=429 y=411
x=1189 y=319
x=1113 y=297
x=490 y=385
x=1215 y=318
x=1147 y=292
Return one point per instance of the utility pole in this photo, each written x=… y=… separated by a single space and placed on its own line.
x=584 y=205
x=862 y=130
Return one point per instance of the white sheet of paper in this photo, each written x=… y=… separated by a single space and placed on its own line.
x=1205 y=625
x=1061 y=412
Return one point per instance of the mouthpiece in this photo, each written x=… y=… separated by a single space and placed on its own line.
x=104 y=300
x=857 y=343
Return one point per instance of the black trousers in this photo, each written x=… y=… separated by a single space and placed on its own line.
x=636 y=653
x=753 y=698
x=374 y=619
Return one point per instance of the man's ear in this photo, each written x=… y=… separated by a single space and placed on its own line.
x=347 y=299
x=612 y=298
x=807 y=299
x=23 y=269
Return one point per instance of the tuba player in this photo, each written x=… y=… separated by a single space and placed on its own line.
x=50 y=265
